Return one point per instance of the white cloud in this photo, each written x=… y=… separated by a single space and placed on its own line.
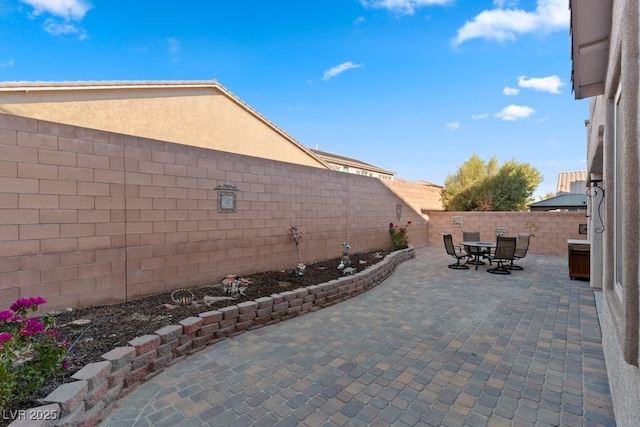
x=504 y=3
x=67 y=9
x=173 y=45
x=502 y=24
x=480 y=116
x=510 y=91
x=515 y=112
x=10 y=63
x=543 y=84
x=57 y=29
x=453 y=125
x=339 y=69
x=64 y=12
x=405 y=7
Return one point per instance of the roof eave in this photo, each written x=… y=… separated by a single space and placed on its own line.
x=590 y=39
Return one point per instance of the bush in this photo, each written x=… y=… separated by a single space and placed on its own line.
x=399 y=236
x=30 y=353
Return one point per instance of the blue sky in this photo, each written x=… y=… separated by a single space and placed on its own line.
x=413 y=86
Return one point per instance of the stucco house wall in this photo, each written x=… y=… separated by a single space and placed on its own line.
x=197 y=113
x=421 y=196
x=613 y=159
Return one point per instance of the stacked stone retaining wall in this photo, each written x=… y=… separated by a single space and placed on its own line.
x=97 y=386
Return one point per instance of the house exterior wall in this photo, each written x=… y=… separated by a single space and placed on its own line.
x=203 y=115
x=90 y=217
x=421 y=197
x=620 y=328
x=550 y=229
x=358 y=170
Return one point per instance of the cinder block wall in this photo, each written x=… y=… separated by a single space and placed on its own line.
x=421 y=196
x=89 y=217
x=550 y=229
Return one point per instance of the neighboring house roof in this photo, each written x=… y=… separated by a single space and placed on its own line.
x=29 y=98
x=422 y=182
x=571 y=182
x=564 y=202
x=349 y=161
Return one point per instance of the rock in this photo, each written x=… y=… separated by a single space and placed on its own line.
x=212 y=300
x=169 y=306
x=80 y=322
x=348 y=270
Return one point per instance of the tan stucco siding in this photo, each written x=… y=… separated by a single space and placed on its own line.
x=202 y=117
x=420 y=197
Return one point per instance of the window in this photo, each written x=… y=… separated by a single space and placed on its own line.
x=618 y=201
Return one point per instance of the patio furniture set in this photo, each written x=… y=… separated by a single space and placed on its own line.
x=473 y=250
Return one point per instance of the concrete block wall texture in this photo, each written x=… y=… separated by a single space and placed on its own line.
x=90 y=217
x=550 y=229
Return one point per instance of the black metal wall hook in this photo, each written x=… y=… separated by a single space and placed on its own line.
x=594 y=190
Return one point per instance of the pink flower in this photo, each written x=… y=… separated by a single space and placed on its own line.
x=52 y=333
x=390 y=225
x=33 y=327
x=65 y=365
x=27 y=303
x=5 y=336
x=5 y=315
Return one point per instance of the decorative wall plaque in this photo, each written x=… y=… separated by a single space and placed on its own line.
x=227 y=197
x=398 y=211
x=501 y=232
x=582 y=228
x=457 y=221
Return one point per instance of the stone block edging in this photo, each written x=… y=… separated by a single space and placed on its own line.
x=97 y=386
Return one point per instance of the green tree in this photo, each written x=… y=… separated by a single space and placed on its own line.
x=480 y=186
x=458 y=187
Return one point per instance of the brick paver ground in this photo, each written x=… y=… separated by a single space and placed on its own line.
x=430 y=346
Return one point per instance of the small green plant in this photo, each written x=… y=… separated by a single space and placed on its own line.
x=399 y=236
x=30 y=353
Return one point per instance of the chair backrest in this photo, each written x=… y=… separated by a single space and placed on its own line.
x=470 y=236
x=448 y=244
x=522 y=245
x=505 y=247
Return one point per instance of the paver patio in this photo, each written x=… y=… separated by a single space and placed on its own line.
x=430 y=346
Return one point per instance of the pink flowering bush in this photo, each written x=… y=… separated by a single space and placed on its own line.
x=30 y=353
x=399 y=236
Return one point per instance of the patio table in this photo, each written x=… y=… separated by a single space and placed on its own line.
x=482 y=249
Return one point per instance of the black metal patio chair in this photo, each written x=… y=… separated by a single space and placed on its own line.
x=473 y=252
x=456 y=252
x=502 y=255
x=522 y=246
